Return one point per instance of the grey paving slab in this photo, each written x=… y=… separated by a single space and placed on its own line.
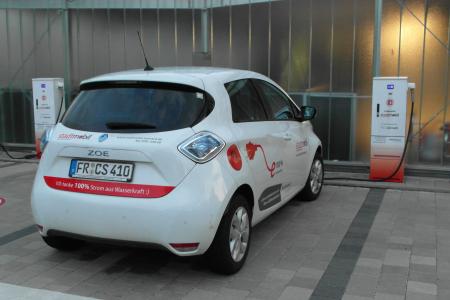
x=295 y=293
x=383 y=296
x=422 y=288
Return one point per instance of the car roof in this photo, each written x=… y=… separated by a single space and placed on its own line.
x=184 y=75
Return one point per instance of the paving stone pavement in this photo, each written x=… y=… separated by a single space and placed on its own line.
x=406 y=254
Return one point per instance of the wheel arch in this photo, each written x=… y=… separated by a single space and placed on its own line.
x=319 y=150
x=246 y=191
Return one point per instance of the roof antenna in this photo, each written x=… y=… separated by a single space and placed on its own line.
x=147 y=66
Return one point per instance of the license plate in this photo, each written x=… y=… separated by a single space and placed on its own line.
x=112 y=171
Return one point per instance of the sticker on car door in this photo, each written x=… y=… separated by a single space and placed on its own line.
x=274 y=168
x=270 y=197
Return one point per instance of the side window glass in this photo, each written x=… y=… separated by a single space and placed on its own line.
x=245 y=103
x=277 y=103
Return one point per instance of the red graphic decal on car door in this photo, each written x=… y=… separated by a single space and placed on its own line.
x=251 y=151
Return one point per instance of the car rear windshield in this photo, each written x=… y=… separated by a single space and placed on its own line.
x=137 y=107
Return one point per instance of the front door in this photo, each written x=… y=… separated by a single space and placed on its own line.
x=260 y=142
x=281 y=111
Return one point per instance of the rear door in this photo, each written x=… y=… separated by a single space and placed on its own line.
x=122 y=138
x=281 y=112
x=259 y=141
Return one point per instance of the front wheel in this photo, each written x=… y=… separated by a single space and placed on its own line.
x=313 y=186
x=229 y=249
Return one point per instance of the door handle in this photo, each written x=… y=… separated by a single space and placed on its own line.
x=287 y=137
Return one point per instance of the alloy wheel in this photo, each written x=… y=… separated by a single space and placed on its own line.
x=239 y=233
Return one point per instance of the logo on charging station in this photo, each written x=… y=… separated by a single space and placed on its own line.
x=390 y=86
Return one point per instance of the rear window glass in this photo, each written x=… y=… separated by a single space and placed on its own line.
x=137 y=108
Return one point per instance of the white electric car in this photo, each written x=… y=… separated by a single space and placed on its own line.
x=186 y=159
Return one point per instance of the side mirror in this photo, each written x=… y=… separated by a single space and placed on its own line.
x=308 y=113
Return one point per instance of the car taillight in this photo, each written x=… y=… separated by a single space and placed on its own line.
x=202 y=147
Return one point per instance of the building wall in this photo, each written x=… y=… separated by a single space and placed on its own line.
x=320 y=51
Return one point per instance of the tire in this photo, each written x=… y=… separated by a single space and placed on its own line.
x=63 y=243
x=221 y=258
x=314 y=184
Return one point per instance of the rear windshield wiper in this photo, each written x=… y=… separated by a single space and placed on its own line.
x=129 y=125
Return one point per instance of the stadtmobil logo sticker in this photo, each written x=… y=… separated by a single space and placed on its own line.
x=2 y=201
x=72 y=136
x=108 y=188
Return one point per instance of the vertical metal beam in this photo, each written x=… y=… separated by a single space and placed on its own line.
x=49 y=32
x=9 y=133
x=3 y=91
x=93 y=39
x=67 y=57
x=78 y=47
x=124 y=18
x=26 y=132
x=354 y=45
x=310 y=43
x=158 y=32
x=447 y=77
x=34 y=43
x=108 y=19
x=249 y=55
x=330 y=106
x=193 y=28
x=331 y=46
x=422 y=76
x=269 y=45
x=377 y=38
x=230 y=34
x=211 y=32
x=353 y=124
x=204 y=20
x=289 y=46
x=175 y=33
x=400 y=38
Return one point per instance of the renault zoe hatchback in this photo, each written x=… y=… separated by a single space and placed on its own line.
x=185 y=159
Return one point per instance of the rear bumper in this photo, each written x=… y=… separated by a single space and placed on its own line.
x=191 y=213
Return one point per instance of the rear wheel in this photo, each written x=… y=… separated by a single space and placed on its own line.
x=229 y=249
x=313 y=186
x=63 y=243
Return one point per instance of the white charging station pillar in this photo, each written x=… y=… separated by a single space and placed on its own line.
x=48 y=104
x=389 y=107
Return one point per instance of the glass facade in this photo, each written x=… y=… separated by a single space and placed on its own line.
x=321 y=51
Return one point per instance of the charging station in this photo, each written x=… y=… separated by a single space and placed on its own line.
x=389 y=124
x=48 y=104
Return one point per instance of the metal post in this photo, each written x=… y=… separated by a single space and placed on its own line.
x=422 y=79
x=204 y=29
x=230 y=34
x=175 y=34
x=377 y=38
x=400 y=39
x=67 y=57
x=269 y=39
x=446 y=105
x=249 y=55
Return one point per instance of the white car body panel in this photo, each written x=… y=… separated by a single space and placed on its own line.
x=192 y=211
